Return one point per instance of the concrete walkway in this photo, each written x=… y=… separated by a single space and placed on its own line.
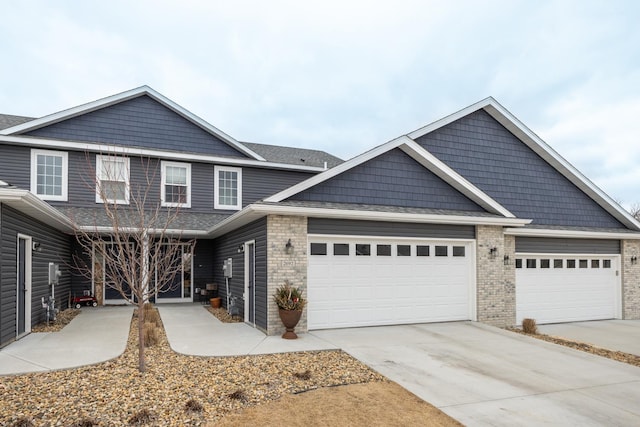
x=619 y=335
x=192 y=330
x=93 y=336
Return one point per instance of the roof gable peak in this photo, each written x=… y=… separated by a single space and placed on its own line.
x=122 y=97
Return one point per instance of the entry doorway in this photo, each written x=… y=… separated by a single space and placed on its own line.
x=23 y=312
x=250 y=282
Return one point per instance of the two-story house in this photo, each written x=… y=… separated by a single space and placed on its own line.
x=472 y=217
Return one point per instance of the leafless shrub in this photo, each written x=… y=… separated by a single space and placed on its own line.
x=85 y=422
x=23 y=422
x=529 y=326
x=306 y=375
x=193 y=405
x=238 y=395
x=141 y=417
x=151 y=335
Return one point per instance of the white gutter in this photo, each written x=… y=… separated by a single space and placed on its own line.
x=571 y=234
x=256 y=211
x=146 y=152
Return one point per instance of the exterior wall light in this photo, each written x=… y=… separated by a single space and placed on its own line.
x=507 y=261
x=288 y=248
x=241 y=249
x=634 y=259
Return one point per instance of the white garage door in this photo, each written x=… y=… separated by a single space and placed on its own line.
x=554 y=289
x=367 y=281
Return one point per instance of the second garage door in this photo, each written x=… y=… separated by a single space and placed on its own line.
x=568 y=288
x=368 y=281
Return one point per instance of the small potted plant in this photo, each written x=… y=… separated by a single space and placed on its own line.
x=290 y=303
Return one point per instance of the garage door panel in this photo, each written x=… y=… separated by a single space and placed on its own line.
x=352 y=290
x=555 y=295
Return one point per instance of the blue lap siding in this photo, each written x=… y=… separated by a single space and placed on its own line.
x=139 y=122
x=54 y=247
x=391 y=179
x=493 y=159
x=227 y=247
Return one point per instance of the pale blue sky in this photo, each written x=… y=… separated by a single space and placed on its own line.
x=344 y=76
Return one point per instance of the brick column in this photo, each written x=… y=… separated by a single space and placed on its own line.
x=630 y=280
x=283 y=266
x=495 y=281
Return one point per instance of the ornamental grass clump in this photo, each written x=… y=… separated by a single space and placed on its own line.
x=529 y=326
x=289 y=297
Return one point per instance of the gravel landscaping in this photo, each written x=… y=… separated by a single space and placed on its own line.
x=620 y=356
x=176 y=390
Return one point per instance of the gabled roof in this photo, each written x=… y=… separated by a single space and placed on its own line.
x=541 y=148
x=8 y=120
x=419 y=154
x=27 y=203
x=124 y=96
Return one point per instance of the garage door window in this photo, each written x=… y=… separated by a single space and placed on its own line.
x=341 y=249
x=571 y=263
x=441 y=251
x=595 y=263
x=422 y=250
x=403 y=250
x=557 y=263
x=606 y=263
x=318 y=249
x=518 y=262
x=584 y=263
x=458 y=251
x=383 y=250
x=544 y=263
x=363 y=249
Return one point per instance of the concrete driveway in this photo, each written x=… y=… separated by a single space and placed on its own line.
x=487 y=376
x=619 y=335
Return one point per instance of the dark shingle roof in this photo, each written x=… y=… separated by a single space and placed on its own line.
x=191 y=221
x=294 y=156
x=7 y=120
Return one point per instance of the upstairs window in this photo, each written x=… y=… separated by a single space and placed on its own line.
x=176 y=184
x=49 y=174
x=112 y=179
x=228 y=188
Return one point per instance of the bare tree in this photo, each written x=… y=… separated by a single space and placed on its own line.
x=132 y=246
x=634 y=210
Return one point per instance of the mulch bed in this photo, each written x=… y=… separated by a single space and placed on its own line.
x=222 y=315
x=620 y=356
x=176 y=390
x=62 y=319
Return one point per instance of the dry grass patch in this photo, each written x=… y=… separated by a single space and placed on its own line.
x=372 y=404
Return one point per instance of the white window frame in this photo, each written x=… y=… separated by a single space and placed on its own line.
x=187 y=166
x=99 y=159
x=65 y=174
x=217 y=204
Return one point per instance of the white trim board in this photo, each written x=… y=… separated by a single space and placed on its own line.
x=146 y=152
x=31 y=205
x=125 y=96
x=572 y=234
x=255 y=211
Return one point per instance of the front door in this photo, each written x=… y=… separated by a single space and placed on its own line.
x=23 y=321
x=250 y=282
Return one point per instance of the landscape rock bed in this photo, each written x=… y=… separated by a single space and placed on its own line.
x=176 y=390
x=620 y=356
